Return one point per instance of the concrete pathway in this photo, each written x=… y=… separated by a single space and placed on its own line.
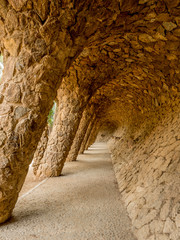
x=83 y=204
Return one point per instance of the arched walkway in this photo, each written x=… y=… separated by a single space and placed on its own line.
x=83 y=204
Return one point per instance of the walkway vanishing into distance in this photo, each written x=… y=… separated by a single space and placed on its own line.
x=83 y=204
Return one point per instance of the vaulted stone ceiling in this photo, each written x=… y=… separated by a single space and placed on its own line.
x=139 y=68
x=132 y=57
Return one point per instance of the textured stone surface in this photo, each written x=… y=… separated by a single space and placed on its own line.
x=122 y=57
x=38 y=49
x=80 y=134
x=148 y=177
x=93 y=134
x=39 y=153
x=87 y=135
x=67 y=119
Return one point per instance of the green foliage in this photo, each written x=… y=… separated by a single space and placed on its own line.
x=51 y=115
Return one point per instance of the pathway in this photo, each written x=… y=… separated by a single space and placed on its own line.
x=83 y=204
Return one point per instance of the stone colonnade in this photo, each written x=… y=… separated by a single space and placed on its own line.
x=102 y=61
x=38 y=42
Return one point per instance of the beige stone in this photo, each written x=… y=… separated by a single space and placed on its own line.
x=145 y=219
x=13 y=93
x=156 y=226
x=20 y=112
x=151 y=237
x=12 y=46
x=169 y=226
x=143 y=232
x=17 y=4
x=175 y=235
x=162 y=237
x=165 y=210
x=177 y=221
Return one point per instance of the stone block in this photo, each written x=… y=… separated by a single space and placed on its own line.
x=143 y=233
x=20 y=112
x=5 y=109
x=175 y=235
x=146 y=38
x=17 y=4
x=169 y=226
x=12 y=45
x=165 y=210
x=177 y=220
x=162 y=237
x=13 y=93
x=156 y=226
x=169 y=26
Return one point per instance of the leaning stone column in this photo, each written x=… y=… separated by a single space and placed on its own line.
x=69 y=113
x=83 y=145
x=72 y=156
x=33 y=71
x=39 y=153
x=23 y=110
x=93 y=135
x=26 y=98
x=41 y=148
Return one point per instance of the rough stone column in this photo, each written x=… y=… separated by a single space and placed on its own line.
x=39 y=153
x=72 y=156
x=36 y=57
x=26 y=97
x=82 y=148
x=93 y=134
x=23 y=109
x=42 y=145
x=90 y=134
x=69 y=112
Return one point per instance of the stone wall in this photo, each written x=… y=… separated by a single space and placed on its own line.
x=148 y=175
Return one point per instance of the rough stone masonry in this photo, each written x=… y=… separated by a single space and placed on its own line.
x=106 y=63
